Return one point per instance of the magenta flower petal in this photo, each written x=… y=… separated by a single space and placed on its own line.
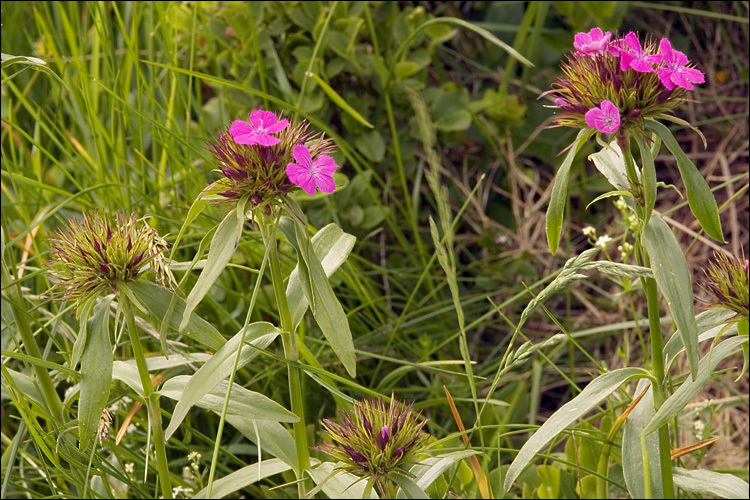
x=326 y=184
x=633 y=57
x=308 y=174
x=266 y=140
x=326 y=165
x=258 y=131
x=605 y=118
x=675 y=70
x=592 y=43
x=261 y=118
x=277 y=127
x=302 y=155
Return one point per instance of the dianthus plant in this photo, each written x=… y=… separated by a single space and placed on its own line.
x=621 y=90
x=263 y=163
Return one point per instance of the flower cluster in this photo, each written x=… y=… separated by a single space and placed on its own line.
x=612 y=84
x=727 y=282
x=378 y=439
x=264 y=158
x=93 y=255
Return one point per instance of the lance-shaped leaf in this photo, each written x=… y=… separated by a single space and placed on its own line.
x=96 y=374
x=701 y=200
x=560 y=191
x=671 y=272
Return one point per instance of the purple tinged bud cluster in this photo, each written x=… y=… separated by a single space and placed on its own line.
x=376 y=439
x=726 y=281
x=93 y=255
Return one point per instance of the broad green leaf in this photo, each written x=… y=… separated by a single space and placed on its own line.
x=648 y=177
x=244 y=477
x=410 y=488
x=671 y=273
x=243 y=401
x=157 y=300
x=550 y=487
x=339 y=484
x=682 y=396
x=96 y=374
x=275 y=438
x=700 y=198
x=560 y=191
x=339 y=101
x=220 y=365
x=127 y=371
x=327 y=309
x=632 y=456
x=332 y=247
x=80 y=342
x=706 y=483
x=592 y=394
x=224 y=242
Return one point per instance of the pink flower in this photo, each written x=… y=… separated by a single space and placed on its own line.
x=674 y=72
x=632 y=56
x=258 y=131
x=592 y=43
x=307 y=174
x=605 y=118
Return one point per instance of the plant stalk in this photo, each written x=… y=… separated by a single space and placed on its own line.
x=150 y=397
x=291 y=352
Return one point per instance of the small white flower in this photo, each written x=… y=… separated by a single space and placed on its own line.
x=621 y=205
x=698 y=425
x=589 y=231
x=603 y=241
x=129 y=467
x=131 y=428
x=194 y=456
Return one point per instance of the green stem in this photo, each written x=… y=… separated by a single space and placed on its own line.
x=150 y=397
x=51 y=398
x=657 y=362
x=291 y=352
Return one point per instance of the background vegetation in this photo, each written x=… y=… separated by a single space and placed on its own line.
x=118 y=119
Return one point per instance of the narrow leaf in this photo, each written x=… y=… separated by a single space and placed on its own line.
x=560 y=191
x=701 y=200
x=338 y=484
x=706 y=483
x=408 y=486
x=96 y=374
x=220 y=365
x=592 y=394
x=157 y=300
x=224 y=242
x=682 y=396
x=671 y=273
x=244 y=477
x=327 y=312
x=339 y=101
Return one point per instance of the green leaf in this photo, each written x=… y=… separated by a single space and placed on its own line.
x=706 y=483
x=632 y=456
x=429 y=469
x=157 y=300
x=96 y=374
x=709 y=324
x=592 y=394
x=80 y=343
x=221 y=364
x=327 y=309
x=31 y=62
x=24 y=384
x=224 y=242
x=339 y=101
x=332 y=247
x=682 y=396
x=339 y=484
x=671 y=273
x=372 y=145
x=410 y=488
x=648 y=177
x=550 y=487
x=560 y=191
x=244 y=477
x=700 y=198
x=243 y=401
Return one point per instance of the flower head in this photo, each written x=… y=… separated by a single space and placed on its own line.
x=254 y=164
x=308 y=174
x=260 y=129
x=623 y=76
x=605 y=118
x=592 y=43
x=378 y=439
x=93 y=255
x=727 y=283
x=675 y=72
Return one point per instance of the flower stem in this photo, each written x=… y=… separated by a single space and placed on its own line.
x=291 y=352
x=150 y=397
x=657 y=362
